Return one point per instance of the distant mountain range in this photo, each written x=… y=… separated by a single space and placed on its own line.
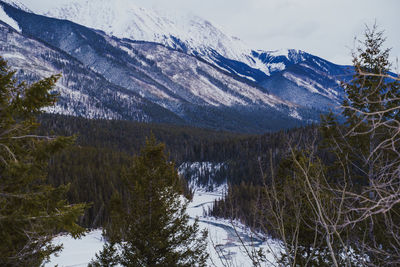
x=123 y=62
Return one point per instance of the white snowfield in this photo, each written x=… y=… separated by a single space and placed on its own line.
x=5 y=18
x=123 y=19
x=224 y=242
x=77 y=252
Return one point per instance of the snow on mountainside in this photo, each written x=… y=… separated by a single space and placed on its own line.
x=189 y=33
x=82 y=91
x=160 y=74
x=196 y=36
x=195 y=92
x=188 y=66
x=313 y=82
x=6 y=19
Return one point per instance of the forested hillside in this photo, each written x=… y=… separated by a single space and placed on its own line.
x=104 y=147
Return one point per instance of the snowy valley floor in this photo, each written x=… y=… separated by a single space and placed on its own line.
x=225 y=240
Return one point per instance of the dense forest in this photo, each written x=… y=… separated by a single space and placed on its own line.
x=103 y=148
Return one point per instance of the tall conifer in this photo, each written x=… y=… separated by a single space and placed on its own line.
x=31 y=211
x=151 y=225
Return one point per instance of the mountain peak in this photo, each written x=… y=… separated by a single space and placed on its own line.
x=124 y=19
x=249 y=77
x=189 y=33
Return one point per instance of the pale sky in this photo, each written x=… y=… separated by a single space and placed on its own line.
x=325 y=28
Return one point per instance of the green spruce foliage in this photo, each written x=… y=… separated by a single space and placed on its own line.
x=149 y=223
x=31 y=212
x=370 y=97
x=366 y=147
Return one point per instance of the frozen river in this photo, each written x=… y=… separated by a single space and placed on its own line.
x=226 y=239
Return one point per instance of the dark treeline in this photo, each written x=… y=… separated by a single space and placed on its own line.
x=257 y=169
x=103 y=148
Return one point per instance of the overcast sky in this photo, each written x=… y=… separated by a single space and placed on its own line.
x=325 y=28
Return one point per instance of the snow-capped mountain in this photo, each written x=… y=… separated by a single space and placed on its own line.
x=193 y=90
x=82 y=91
x=196 y=36
x=189 y=33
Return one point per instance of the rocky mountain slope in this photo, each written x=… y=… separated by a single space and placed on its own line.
x=193 y=35
x=151 y=68
x=83 y=92
x=192 y=90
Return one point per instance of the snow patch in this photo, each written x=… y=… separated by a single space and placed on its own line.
x=13 y=56
x=246 y=77
x=294 y=114
x=320 y=65
x=309 y=86
x=6 y=19
x=276 y=66
x=77 y=252
x=280 y=52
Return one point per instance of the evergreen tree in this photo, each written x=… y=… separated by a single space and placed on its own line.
x=370 y=95
x=365 y=149
x=366 y=92
x=149 y=223
x=107 y=257
x=31 y=212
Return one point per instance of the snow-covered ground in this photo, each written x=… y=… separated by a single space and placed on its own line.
x=226 y=239
x=77 y=252
x=229 y=242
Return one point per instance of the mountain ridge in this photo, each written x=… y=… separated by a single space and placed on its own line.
x=196 y=36
x=197 y=91
x=243 y=107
